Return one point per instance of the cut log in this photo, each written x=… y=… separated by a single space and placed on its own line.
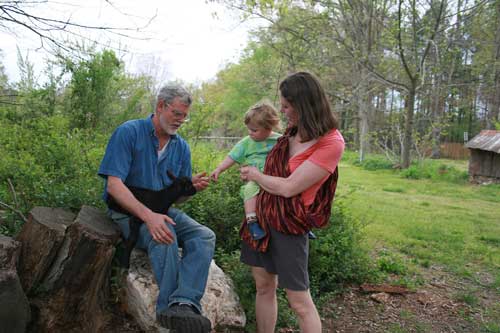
x=9 y=253
x=41 y=236
x=75 y=288
x=14 y=306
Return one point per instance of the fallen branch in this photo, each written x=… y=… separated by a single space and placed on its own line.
x=384 y=288
x=13 y=191
x=17 y=211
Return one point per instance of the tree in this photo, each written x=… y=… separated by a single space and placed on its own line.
x=357 y=27
x=93 y=89
x=3 y=76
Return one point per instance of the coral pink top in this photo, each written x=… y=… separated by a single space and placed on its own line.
x=326 y=153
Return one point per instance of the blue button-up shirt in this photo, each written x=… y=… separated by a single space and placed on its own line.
x=132 y=156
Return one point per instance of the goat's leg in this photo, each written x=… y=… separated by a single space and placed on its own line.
x=129 y=243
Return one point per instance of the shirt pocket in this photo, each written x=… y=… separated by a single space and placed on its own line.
x=173 y=167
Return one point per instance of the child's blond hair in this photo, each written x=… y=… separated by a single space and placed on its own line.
x=263 y=114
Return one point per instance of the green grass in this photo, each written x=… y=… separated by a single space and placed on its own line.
x=455 y=225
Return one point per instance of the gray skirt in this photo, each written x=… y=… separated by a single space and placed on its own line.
x=287 y=256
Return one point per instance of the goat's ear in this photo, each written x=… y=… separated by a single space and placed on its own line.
x=170 y=175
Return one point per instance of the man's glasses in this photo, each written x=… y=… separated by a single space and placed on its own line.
x=179 y=115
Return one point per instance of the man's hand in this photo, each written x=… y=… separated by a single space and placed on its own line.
x=215 y=175
x=200 y=181
x=158 y=229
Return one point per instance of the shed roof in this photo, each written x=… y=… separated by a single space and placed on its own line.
x=486 y=140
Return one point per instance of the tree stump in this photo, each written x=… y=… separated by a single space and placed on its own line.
x=42 y=237
x=14 y=306
x=73 y=283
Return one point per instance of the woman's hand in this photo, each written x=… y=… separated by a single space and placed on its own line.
x=248 y=173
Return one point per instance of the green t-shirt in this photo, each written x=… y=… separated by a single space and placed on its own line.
x=250 y=152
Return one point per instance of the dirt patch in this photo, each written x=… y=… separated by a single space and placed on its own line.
x=442 y=304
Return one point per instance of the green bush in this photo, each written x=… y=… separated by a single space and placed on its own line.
x=350 y=156
x=48 y=165
x=337 y=256
x=371 y=162
x=374 y=162
x=435 y=170
x=220 y=208
x=391 y=263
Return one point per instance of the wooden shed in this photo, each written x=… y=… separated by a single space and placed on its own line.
x=484 y=162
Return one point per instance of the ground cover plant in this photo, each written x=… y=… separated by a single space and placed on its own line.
x=437 y=236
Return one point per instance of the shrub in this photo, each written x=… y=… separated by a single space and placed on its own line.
x=220 y=208
x=374 y=162
x=337 y=256
x=371 y=162
x=48 y=165
x=435 y=170
x=391 y=263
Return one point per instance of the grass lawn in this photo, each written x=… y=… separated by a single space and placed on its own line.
x=454 y=225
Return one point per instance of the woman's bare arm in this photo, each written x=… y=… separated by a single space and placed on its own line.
x=306 y=175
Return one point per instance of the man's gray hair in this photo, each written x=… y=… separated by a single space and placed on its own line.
x=169 y=92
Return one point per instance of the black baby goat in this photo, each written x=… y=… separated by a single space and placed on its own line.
x=157 y=201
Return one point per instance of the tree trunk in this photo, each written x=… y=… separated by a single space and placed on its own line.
x=364 y=140
x=74 y=284
x=494 y=107
x=438 y=105
x=407 y=141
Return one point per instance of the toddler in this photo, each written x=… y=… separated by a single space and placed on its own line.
x=260 y=120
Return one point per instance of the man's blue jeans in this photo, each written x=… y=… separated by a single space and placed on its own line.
x=179 y=279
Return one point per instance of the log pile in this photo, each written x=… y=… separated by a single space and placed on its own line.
x=64 y=268
x=55 y=277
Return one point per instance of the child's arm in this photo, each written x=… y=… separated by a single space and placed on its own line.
x=224 y=165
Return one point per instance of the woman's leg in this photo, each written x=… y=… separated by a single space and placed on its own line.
x=266 y=304
x=303 y=306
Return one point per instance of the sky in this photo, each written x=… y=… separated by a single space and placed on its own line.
x=188 y=40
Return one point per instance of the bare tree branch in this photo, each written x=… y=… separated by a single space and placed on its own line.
x=17 y=211
x=51 y=31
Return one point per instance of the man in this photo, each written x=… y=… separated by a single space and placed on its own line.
x=139 y=154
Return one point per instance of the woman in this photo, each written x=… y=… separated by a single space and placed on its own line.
x=298 y=183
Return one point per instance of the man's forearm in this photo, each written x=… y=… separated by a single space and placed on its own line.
x=121 y=194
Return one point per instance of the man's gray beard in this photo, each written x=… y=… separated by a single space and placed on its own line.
x=165 y=127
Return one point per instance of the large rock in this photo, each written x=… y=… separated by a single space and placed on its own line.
x=14 y=306
x=220 y=303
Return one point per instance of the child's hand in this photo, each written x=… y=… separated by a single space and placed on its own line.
x=248 y=172
x=215 y=175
